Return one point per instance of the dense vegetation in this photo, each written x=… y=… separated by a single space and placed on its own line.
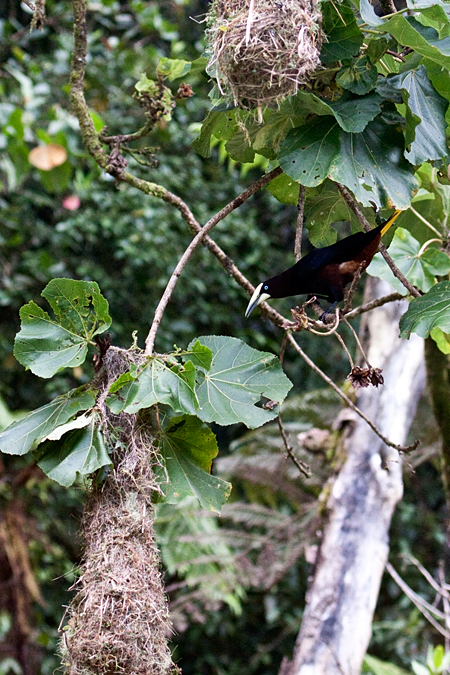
x=76 y=222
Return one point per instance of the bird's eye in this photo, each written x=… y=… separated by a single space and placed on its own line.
x=266 y=288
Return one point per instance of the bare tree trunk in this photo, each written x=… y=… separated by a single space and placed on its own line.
x=336 y=626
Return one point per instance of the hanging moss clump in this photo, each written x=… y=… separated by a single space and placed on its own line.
x=118 y=622
x=262 y=51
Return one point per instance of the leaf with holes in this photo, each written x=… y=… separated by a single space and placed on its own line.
x=370 y=163
x=46 y=345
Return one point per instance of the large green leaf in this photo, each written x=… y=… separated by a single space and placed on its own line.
x=25 y=434
x=154 y=383
x=371 y=163
x=423 y=39
x=426 y=122
x=46 y=345
x=78 y=306
x=420 y=268
x=324 y=206
x=188 y=448
x=77 y=453
x=239 y=377
x=359 y=77
x=427 y=312
x=344 y=37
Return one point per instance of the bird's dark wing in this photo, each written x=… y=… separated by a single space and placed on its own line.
x=342 y=251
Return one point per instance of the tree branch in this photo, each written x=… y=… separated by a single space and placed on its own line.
x=234 y=204
x=299 y=229
x=378 y=302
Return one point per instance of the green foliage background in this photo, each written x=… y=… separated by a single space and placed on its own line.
x=233 y=626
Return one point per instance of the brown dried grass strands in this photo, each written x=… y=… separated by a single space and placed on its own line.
x=263 y=56
x=119 y=619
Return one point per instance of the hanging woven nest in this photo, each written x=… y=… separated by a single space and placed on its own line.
x=263 y=50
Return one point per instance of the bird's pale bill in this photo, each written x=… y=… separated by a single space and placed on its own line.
x=256 y=299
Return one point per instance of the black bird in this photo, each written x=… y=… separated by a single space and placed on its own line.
x=325 y=272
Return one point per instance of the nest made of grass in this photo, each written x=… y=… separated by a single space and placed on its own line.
x=263 y=50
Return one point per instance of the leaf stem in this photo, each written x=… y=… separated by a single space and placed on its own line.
x=427 y=223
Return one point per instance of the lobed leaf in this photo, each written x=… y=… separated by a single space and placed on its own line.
x=370 y=163
x=237 y=380
x=46 y=345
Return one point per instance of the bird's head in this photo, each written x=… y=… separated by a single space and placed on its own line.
x=260 y=294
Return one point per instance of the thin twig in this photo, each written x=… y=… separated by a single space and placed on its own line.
x=433 y=583
x=234 y=204
x=378 y=302
x=350 y=403
x=344 y=347
x=303 y=468
x=346 y=194
x=397 y=57
x=422 y=605
x=299 y=228
x=355 y=335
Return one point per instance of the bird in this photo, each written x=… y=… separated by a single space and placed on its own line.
x=325 y=272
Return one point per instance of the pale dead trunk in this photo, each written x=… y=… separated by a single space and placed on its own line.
x=336 y=626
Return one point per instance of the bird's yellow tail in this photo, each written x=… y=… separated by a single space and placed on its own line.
x=390 y=221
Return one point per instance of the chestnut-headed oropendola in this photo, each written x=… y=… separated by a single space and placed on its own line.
x=325 y=272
